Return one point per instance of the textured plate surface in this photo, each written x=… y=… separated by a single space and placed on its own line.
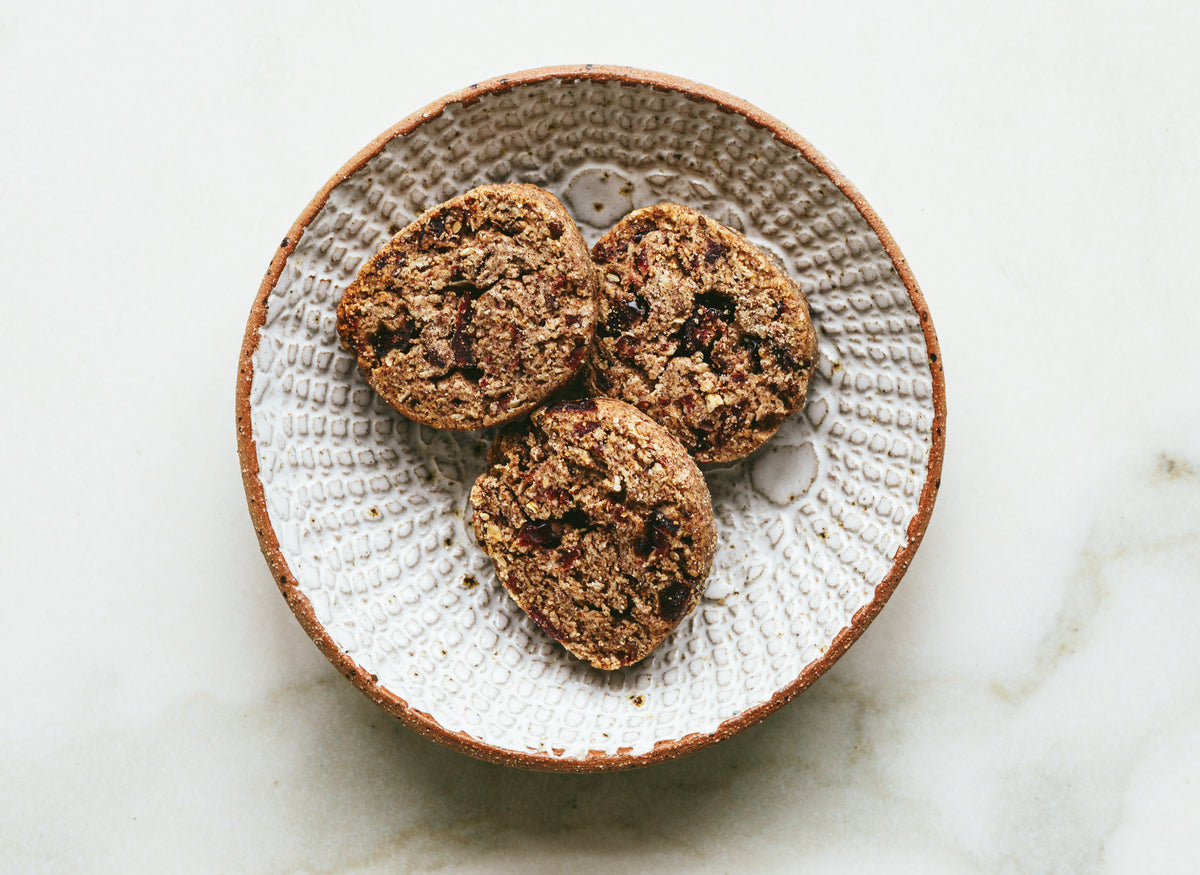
x=363 y=514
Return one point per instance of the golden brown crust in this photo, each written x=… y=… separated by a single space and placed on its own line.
x=600 y=526
x=476 y=312
x=699 y=329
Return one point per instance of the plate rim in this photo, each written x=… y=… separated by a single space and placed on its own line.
x=301 y=607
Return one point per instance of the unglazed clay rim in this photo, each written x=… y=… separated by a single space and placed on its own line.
x=595 y=760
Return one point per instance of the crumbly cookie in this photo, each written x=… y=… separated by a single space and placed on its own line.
x=600 y=526
x=476 y=312
x=699 y=329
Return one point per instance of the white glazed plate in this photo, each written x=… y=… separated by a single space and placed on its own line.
x=363 y=516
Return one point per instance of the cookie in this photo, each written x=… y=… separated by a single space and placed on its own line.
x=701 y=330
x=600 y=527
x=476 y=312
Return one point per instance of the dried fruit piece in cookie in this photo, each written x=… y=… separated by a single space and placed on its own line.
x=477 y=311
x=600 y=526
x=699 y=329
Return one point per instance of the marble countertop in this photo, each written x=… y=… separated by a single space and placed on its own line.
x=1026 y=702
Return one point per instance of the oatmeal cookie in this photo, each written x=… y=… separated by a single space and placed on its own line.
x=477 y=311
x=699 y=329
x=600 y=526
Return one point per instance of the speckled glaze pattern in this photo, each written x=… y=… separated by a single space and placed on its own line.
x=370 y=510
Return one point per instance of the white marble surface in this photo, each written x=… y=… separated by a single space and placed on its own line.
x=1027 y=701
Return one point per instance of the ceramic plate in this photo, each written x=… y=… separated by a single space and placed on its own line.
x=363 y=515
